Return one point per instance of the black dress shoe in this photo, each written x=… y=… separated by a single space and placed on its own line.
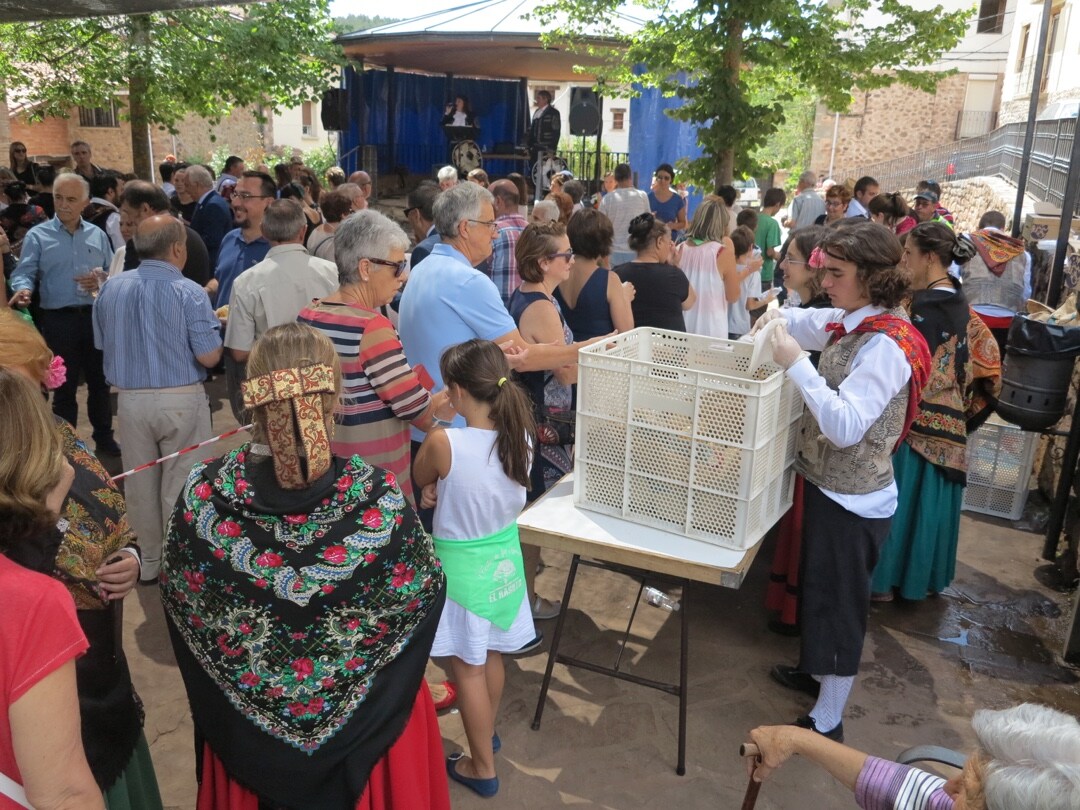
x=783 y=628
x=806 y=721
x=794 y=679
x=107 y=447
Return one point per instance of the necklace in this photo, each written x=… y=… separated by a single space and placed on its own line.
x=939 y=282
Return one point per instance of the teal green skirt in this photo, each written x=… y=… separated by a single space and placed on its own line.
x=920 y=554
x=137 y=787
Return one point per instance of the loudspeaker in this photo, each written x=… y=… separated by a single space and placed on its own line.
x=584 y=111
x=335 y=109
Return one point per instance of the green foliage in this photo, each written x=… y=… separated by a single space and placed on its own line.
x=318 y=159
x=351 y=23
x=738 y=65
x=788 y=148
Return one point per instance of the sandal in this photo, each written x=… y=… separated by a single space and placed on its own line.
x=450 y=697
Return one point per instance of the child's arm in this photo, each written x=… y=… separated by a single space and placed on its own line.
x=762 y=301
x=432 y=461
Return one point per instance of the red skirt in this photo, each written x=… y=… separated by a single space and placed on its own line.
x=783 y=592
x=411 y=774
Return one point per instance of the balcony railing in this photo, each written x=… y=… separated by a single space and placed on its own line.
x=973 y=123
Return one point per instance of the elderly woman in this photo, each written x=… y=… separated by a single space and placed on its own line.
x=919 y=556
x=98 y=561
x=836 y=202
x=335 y=207
x=663 y=291
x=592 y=300
x=1028 y=757
x=381 y=394
x=544 y=212
x=302 y=597
x=40 y=751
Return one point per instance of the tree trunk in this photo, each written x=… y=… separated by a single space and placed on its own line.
x=733 y=51
x=137 y=84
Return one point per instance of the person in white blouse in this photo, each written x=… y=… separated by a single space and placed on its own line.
x=859 y=404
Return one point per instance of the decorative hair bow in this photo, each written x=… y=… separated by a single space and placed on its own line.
x=292 y=398
x=56 y=374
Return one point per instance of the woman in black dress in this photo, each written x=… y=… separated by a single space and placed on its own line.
x=663 y=291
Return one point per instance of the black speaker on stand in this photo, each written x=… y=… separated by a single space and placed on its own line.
x=586 y=120
x=335 y=109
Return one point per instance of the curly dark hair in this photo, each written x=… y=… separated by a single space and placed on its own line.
x=875 y=251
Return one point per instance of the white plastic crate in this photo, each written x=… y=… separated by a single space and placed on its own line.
x=673 y=432
x=1000 y=459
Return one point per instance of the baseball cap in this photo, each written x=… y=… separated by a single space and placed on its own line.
x=927 y=195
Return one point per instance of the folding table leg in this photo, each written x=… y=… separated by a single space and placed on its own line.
x=554 y=651
x=684 y=662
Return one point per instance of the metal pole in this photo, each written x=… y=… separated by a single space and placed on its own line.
x=1033 y=111
x=599 y=133
x=1068 y=206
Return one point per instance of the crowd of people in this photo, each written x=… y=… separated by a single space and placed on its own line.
x=408 y=394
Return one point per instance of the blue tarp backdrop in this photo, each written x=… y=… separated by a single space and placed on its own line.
x=657 y=138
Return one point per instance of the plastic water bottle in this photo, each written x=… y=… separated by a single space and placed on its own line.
x=657 y=598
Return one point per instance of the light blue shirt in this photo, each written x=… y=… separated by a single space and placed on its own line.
x=151 y=323
x=234 y=257
x=51 y=258
x=447 y=302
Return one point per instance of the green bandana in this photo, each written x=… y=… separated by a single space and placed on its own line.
x=485 y=575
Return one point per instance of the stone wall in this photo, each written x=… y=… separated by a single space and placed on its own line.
x=888 y=123
x=969 y=199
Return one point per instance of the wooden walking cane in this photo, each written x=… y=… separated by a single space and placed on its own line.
x=750 y=799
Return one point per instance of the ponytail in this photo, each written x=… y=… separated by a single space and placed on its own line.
x=480 y=367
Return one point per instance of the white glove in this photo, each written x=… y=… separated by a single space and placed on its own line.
x=785 y=349
x=769 y=316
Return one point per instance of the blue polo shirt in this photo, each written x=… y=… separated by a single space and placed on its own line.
x=234 y=257
x=51 y=258
x=151 y=323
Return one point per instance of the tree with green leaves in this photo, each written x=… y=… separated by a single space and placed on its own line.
x=717 y=57
x=204 y=61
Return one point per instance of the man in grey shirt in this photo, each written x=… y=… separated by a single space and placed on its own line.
x=807 y=205
x=621 y=206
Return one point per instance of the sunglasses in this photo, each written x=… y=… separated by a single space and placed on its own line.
x=399 y=267
x=566 y=254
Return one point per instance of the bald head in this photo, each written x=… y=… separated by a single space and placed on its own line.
x=162 y=237
x=506 y=197
x=363 y=181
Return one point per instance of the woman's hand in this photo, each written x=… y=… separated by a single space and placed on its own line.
x=118 y=576
x=429 y=496
x=630 y=290
x=775 y=744
x=441 y=407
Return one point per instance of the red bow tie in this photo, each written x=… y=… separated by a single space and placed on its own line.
x=837 y=328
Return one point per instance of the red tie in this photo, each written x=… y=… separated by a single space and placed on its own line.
x=837 y=328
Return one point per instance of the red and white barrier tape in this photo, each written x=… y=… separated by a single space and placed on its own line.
x=171 y=456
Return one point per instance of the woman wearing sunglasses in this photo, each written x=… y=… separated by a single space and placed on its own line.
x=381 y=395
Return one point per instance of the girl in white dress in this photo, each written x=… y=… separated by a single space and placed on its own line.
x=476 y=477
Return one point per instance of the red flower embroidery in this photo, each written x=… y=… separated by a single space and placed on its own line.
x=370 y=557
x=373 y=518
x=268 y=559
x=412 y=606
x=241 y=486
x=219 y=553
x=344 y=483
x=328 y=683
x=327 y=589
x=260 y=582
x=303 y=667
x=316 y=706
x=202 y=491
x=245 y=627
x=250 y=679
x=397 y=520
x=275 y=691
x=296 y=520
x=352 y=624
x=195 y=580
x=197 y=623
x=391 y=479
x=354 y=664
x=228 y=528
x=336 y=554
x=297 y=709
x=189 y=517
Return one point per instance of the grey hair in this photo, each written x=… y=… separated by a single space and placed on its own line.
x=463 y=201
x=808 y=178
x=1033 y=757
x=545 y=211
x=69 y=178
x=199 y=177
x=366 y=234
x=351 y=190
x=155 y=243
x=283 y=221
x=447 y=173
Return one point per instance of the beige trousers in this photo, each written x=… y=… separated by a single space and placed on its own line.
x=155 y=423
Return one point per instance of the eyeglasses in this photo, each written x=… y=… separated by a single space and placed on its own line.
x=410 y=210
x=663 y=177
x=793 y=261
x=491 y=224
x=399 y=267
x=243 y=195
x=566 y=254
x=18 y=150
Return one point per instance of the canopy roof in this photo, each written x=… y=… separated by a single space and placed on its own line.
x=489 y=38
x=28 y=10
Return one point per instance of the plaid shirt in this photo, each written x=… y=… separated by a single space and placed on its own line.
x=504 y=270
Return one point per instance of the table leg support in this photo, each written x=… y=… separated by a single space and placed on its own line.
x=554 y=651
x=684 y=667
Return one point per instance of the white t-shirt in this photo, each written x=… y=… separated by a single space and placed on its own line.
x=738 y=315
x=621 y=206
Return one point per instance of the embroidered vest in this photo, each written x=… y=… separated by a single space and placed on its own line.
x=867 y=465
x=983 y=287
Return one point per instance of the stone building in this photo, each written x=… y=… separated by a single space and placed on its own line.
x=897 y=120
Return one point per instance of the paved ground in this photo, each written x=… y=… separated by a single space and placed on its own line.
x=991 y=641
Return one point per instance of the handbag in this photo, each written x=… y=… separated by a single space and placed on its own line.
x=556 y=425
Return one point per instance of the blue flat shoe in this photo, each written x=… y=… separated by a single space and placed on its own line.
x=496 y=743
x=481 y=787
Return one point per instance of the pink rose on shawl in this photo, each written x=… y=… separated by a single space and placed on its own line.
x=370 y=557
x=57 y=373
x=372 y=518
x=296 y=520
x=316 y=706
x=245 y=628
x=202 y=491
x=275 y=691
x=297 y=709
x=250 y=679
x=303 y=667
x=336 y=554
x=391 y=479
x=228 y=528
x=197 y=622
x=219 y=553
x=328 y=683
x=269 y=559
x=344 y=483
x=327 y=589
x=402 y=576
x=241 y=486
x=354 y=664
x=188 y=517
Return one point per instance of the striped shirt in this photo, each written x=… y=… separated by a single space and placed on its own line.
x=152 y=323
x=380 y=393
x=884 y=785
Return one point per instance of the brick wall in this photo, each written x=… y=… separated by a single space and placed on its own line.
x=240 y=131
x=888 y=123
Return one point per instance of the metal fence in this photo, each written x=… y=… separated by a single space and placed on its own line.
x=997 y=153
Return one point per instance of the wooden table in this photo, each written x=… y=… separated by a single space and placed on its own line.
x=640 y=552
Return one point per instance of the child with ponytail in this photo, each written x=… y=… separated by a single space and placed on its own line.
x=476 y=478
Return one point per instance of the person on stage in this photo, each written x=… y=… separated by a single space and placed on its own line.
x=458 y=114
x=545 y=129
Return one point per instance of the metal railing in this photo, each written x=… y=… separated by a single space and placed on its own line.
x=973 y=123
x=996 y=153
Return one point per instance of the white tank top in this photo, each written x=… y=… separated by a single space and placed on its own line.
x=709 y=314
x=476 y=498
